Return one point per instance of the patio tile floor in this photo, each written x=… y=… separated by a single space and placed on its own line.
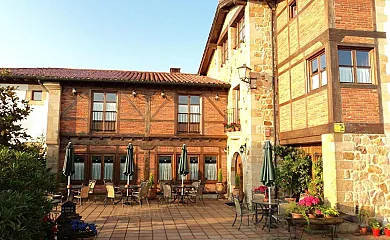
x=210 y=221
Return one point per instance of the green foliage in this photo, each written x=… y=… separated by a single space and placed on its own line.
x=294 y=207
x=237 y=181
x=220 y=175
x=363 y=217
x=293 y=174
x=329 y=211
x=24 y=181
x=374 y=224
x=12 y=111
x=151 y=180
x=316 y=186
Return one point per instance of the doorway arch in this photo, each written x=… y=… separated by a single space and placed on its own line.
x=238 y=170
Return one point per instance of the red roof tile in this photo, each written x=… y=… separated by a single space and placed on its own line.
x=112 y=76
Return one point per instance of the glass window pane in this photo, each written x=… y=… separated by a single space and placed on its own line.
x=183 y=99
x=210 y=171
x=79 y=167
x=98 y=96
x=164 y=167
x=182 y=118
x=37 y=95
x=314 y=66
x=195 y=109
x=315 y=82
x=194 y=100
x=324 y=78
x=345 y=57
x=346 y=74
x=108 y=167
x=98 y=106
x=363 y=75
x=195 y=118
x=97 y=116
x=323 y=61
x=111 y=116
x=362 y=59
x=111 y=107
x=183 y=108
x=194 y=168
x=111 y=97
x=96 y=167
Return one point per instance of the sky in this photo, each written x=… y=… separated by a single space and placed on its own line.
x=141 y=35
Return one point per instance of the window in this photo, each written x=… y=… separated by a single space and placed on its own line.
x=104 y=112
x=193 y=168
x=165 y=168
x=317 y=72
x=78 y=167
x=241 y=31
x=210 y=167
x=354 y=66
x=224 y=51
x=121 y=170
x=36 y=96
x=188 y=114
x=105 y=168
x=293 y=9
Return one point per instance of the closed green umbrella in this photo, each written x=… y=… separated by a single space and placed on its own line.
x=183 y=165
x=268 y=170
x=129 y=165
x=69 y=169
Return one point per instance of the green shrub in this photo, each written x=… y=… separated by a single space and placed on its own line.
x=24 y=181
x=220 y=175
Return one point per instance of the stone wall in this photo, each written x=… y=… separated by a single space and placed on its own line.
x=357 y=172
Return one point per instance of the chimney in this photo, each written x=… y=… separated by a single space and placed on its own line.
x=175 y=70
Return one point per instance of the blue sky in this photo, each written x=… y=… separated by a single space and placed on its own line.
x=144 y=35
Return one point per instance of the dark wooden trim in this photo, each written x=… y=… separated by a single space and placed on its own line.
x=148 y=117
x=368 y=128
x=307 y=132
x=335 y=91
x=359 y=85
x=132 y=104
x=304 y=140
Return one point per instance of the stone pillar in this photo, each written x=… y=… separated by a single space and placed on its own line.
x=53 y=126
x=329 y=164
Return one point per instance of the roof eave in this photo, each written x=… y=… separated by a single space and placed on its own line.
x=220 y=13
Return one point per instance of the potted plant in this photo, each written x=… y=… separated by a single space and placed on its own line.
x=310 y=203
x=296 y=210
x=363 y=217
x=329 y=212
x=237 y=192
x=386 y=229
x=293 y=174
x=152 y=188
x=376 y=227
x=83 y=230
x=220 y=186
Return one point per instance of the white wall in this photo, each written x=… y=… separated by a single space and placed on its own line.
x=36 y=122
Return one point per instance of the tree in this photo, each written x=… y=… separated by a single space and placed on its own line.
x=12 y=111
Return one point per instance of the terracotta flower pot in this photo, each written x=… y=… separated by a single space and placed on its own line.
x=387 y=231
x=289 y=200
x=376 y=232
x=296 y=215
x=152 y=193
x=311 y=215
x=363 y=230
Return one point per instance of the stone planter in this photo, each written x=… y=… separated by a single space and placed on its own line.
x=220 y=187
x=238 y=193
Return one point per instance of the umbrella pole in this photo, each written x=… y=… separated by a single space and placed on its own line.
x=269 y=195
x=68 y=187
x=127 y=189
x=182 y=184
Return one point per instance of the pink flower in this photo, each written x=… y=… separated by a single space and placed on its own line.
x=318 y=212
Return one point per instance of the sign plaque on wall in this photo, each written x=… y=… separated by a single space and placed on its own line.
x=339 y=127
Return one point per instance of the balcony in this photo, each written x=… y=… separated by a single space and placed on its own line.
x=232 y=120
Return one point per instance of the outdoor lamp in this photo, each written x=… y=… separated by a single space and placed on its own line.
x=242 y=148
x=74 y=92
x=163 y=94
x=244 y=73
x=134 y=93
x=216 y=97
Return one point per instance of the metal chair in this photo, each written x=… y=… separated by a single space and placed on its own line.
x=113 y=195
x=82 y=194
x=142 y=194
x=168 y=194
x=198 y=194
x=240 y=211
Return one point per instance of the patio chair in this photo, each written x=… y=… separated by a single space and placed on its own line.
x=168 y=194
x=142 y=194
x=240 y=211
x=91 y=191
x=82 y=194
x=113 y=195
x=198 y=194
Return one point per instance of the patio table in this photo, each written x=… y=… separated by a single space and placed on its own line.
x=129 y=193
x=267 y=210
x=181 y=192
